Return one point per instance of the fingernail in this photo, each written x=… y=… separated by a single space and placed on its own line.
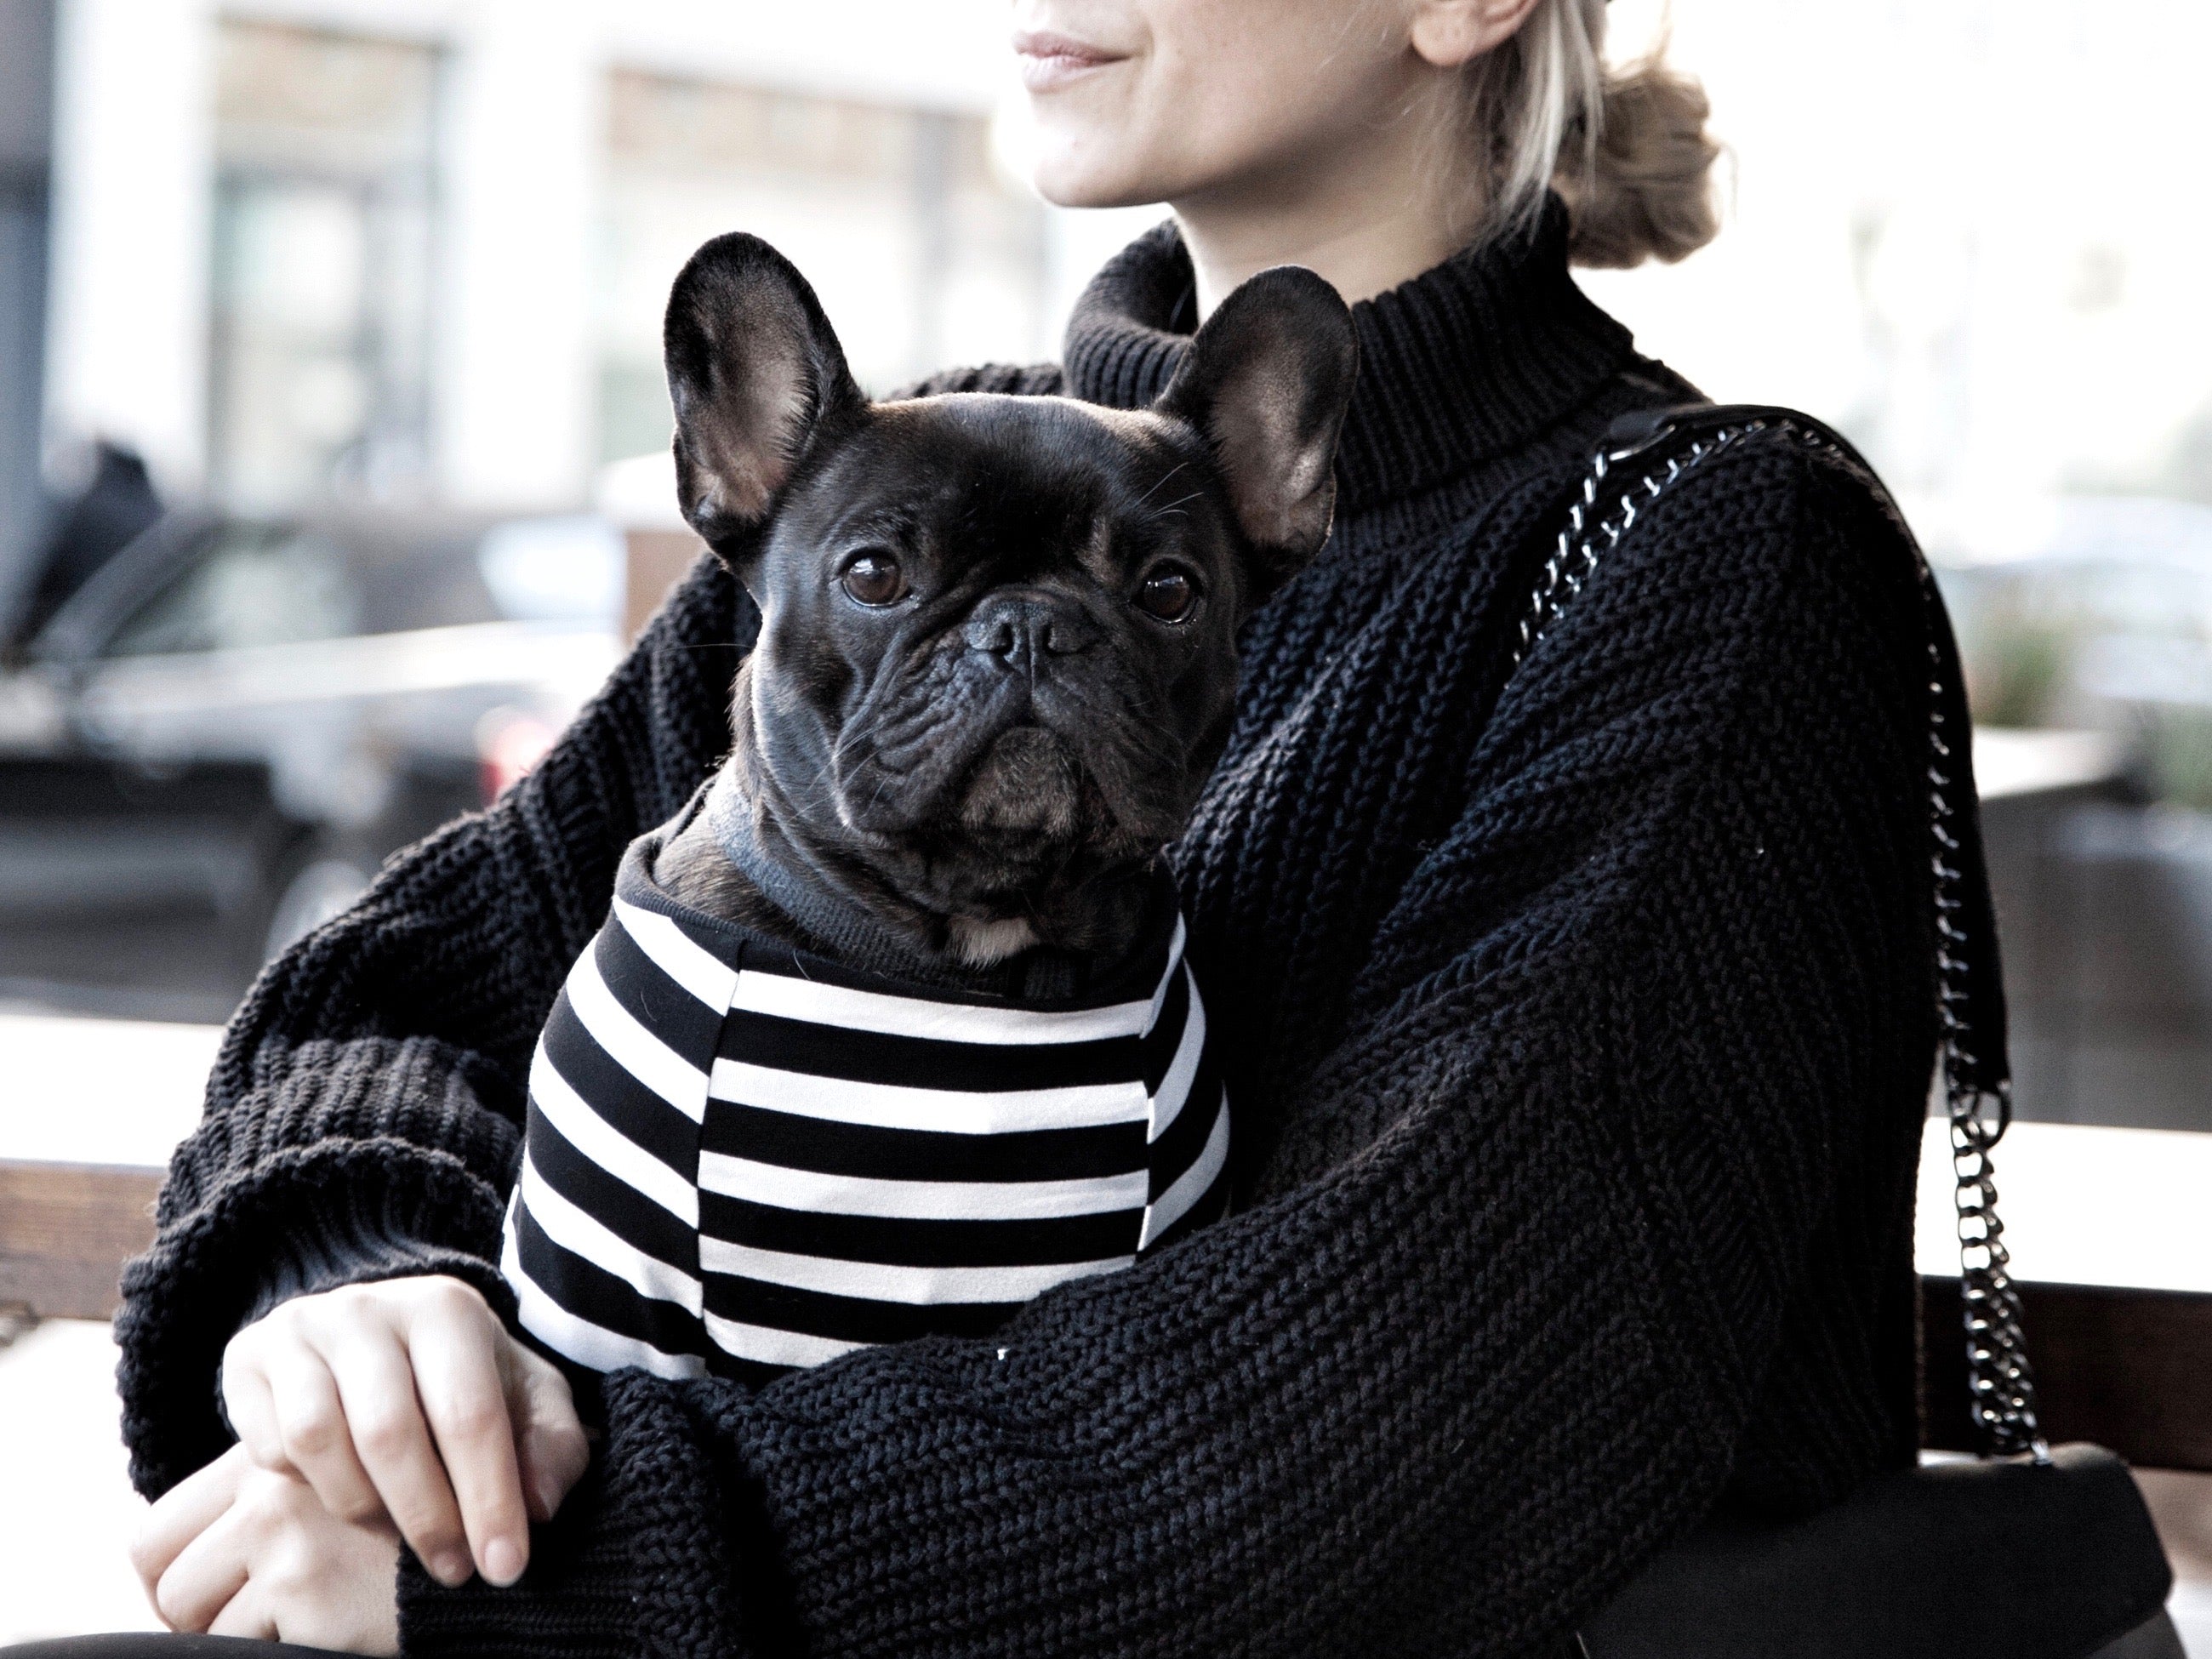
x=546 y=1495
x=502 y=1561
x=452 y=1568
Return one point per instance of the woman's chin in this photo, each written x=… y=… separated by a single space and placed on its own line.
x=1072 y=170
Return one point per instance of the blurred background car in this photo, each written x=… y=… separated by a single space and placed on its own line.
x=214 y=738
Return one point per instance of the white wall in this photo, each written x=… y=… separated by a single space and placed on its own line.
x=127 y=313
x=513 y=368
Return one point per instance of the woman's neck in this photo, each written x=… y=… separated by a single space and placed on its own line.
x=1469 y=357
x=1365 y=215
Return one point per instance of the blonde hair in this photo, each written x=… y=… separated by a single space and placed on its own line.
x=1625 y=148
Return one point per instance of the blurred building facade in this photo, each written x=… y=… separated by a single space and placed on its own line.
x=419 y=246
x=26 y=58
x=417 y=250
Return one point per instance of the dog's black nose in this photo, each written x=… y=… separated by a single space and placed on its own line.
x=1023 y=629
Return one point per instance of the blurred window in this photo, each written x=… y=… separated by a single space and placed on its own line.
x=923 y=252
x=322 y=232
x=253 y=586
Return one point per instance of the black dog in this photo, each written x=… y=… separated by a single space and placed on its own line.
x=892 y=1030
x=998 y=659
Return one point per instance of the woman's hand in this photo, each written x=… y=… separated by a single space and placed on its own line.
x=239 y=1549
x=407 y=1404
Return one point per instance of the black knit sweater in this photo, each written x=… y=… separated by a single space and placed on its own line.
x=1580 y=1027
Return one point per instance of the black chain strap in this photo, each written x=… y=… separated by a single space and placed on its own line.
x=1999 y=1378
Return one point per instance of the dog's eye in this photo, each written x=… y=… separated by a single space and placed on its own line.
x=1168 y=591
x=875 y=578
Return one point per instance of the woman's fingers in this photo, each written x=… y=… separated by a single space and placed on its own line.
x=186 y=1511
x=376 y=1383
x=251 y=1407
x=458 y=1347
x=208 y=1572
x=247 y=1614
x=407 y=1400
x=277 y=1565
x=283 y=1401
x=553 y=1447
x=315 y=1437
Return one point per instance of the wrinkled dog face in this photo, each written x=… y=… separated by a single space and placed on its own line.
x=999 y=651
x=1005 y=632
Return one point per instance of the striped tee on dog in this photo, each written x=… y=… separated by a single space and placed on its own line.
x=741 y=1158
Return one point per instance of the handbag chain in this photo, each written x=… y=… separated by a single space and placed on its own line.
x=2000 y=1381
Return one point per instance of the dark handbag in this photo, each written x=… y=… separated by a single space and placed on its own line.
x=2029 y=1553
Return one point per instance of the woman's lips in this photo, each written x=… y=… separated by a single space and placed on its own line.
x=1050 y=61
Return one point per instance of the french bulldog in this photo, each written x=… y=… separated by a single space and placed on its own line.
x=997 y=652
x=891 y=1029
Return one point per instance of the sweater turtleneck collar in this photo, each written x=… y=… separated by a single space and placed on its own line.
x=1462 y=363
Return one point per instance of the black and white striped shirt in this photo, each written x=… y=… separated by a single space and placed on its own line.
x=741 y=1158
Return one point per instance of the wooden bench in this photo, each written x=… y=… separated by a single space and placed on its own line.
x=93 y=1110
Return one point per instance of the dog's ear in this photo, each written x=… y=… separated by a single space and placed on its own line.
x=755 y=374
x=1265 y=382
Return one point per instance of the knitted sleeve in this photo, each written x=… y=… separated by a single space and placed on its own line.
x=1489 y=1332
x=1016 y=380
x=363 y=1116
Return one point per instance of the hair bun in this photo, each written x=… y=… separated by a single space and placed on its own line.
x=1647 y=190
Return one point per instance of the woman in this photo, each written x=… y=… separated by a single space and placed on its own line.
x=1580 y=1013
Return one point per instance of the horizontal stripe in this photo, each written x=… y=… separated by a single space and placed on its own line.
x=738 y=1173
x=1169 y=979
x=1194 y=1183
x=682 y=957
x=572 y=1117
x=604 y=1195
x=766 y=1346
x=589 y=1291
x=844 y=1318
x=651 y=998
x=1174 y=1086
x=1209 y=1209
x=926 y=1200
x=1183 y=1140
x=752 y=1373
x=1156 y=1048
x=633 y=1048
x=888 y=1282
x=836 y=1051
x=583 y=1235
x=791 y=997
x=809 y=1143
x=945 y=1111
x=642 y=1117
x=580 y=1340
x=919 y=1243
x=598 y=1297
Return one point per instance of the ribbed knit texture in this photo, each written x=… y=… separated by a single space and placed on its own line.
x=1579 y=1028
